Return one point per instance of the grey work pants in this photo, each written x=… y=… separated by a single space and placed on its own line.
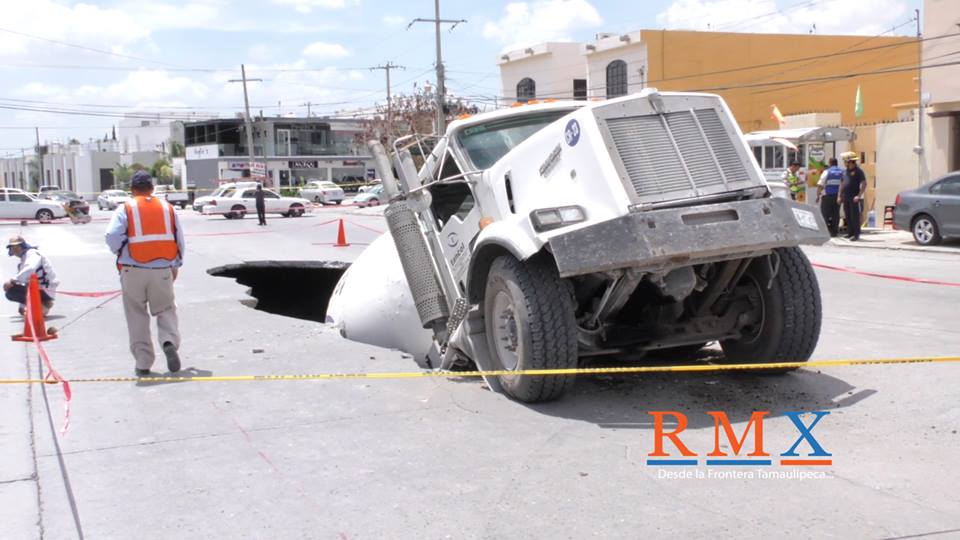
x=153 y=288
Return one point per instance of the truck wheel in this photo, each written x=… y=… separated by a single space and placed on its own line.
x=530 y=324
x=785 y=323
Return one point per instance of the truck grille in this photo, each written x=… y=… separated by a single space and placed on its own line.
x=677 y=155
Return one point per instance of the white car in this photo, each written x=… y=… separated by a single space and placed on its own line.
x=18 y=204
x=373 y=197
x=221 y=191
x=236 y=203
x=112 y=198
x=322 y=191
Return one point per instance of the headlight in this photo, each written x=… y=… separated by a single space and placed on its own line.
x=546 y=219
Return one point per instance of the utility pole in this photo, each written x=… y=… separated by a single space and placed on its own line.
x=386 y=68
x=246 y=106
x=307 y=105
x=39 y=153
x=921 y=158
x=441 y=86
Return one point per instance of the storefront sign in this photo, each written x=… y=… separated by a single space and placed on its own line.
x=237 y=165
x=352 y=163
x=304 y=164
x=206 y=151
x=258 y=168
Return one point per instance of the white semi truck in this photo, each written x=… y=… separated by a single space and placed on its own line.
x=536 y=236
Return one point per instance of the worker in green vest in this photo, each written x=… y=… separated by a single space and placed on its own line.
x=793 y=181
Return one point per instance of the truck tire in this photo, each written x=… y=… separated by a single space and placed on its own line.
x=790 y=312
x=529 y=319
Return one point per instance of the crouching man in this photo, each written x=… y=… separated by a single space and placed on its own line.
x=31 y=262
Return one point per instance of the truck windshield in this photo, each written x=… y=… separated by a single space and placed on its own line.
x=487 y=143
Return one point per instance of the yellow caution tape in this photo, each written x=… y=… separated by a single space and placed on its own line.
x=499 y=373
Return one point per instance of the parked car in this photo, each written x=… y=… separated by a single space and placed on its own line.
x=46 y=189
x=368 y=186
x=373 y=197
x=221 y=191
x=322 y=191
x=172 y=196
x=111 y=198
x=18 y=204
x=70 y=199
x=236 y=203
x=932 y=211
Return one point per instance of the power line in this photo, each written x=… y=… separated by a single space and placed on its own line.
x=82 y=47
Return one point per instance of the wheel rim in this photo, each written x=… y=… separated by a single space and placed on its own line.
x=506 y=331
x=752 y=331
x=45 y=215
x=923 y=230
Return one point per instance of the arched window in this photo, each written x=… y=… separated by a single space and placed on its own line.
x=616 y=79
x=526 y=89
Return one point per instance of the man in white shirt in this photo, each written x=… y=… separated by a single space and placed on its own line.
x=31 y=262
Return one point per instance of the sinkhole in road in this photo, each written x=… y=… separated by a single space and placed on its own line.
x=299 y=289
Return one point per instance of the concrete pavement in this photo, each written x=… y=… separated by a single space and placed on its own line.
x=448 y=458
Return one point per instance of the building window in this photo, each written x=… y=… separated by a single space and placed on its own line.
x=580 y=89
x=526 y=89
x=70 y=179
x=616 y=79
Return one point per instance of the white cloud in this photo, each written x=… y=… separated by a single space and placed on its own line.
x=108 y=28
x=830 y=16
x=321 y=49
x=526 y=23
x=395 y=20
x=306 y=6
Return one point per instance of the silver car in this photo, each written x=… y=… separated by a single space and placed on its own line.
x=932 y=211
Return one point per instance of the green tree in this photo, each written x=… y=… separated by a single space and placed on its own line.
x=121 y=176
x=177 y=149
x=34 y=174
x=162 y=171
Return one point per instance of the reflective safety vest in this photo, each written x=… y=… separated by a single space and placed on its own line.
x=793 y=181
x=150 y=229
x=832 y=178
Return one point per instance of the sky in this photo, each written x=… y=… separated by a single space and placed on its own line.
x=73 y=68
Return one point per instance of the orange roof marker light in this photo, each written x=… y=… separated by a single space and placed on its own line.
x=532 y=102
x=464 y=116
x=550 y=100
x=517 y=104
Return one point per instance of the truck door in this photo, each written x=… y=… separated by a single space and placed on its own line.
x=458 y=220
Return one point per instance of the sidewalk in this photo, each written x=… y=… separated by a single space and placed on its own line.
x=895 y=240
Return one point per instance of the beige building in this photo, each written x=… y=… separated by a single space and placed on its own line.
x=941 y=86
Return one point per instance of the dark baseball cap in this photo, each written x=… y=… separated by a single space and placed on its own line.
x=141 y=179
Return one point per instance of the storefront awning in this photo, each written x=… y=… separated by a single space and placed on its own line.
x=802 y=135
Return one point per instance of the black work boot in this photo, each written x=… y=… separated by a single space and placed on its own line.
x=173 y=359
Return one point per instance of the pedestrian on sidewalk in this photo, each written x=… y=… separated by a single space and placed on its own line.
x=261 y=205
x=31 y=262
x=791 y=178
x=828 y=192
x=146 y=236
x=852 y=188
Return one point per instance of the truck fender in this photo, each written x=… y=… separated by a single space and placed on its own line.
x=498 y=238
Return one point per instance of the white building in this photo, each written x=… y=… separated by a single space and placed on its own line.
x=545 y=70
x=941 y=87
x=610 y=66
x=84 y=168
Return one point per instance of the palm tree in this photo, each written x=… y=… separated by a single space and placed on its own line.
x=122 y=175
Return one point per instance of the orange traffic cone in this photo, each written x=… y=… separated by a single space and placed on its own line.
x=34 y=315
x=341 y=236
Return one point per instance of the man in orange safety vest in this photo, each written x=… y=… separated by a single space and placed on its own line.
x=146 y=236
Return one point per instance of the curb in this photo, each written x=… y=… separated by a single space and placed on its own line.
x=871 y=245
